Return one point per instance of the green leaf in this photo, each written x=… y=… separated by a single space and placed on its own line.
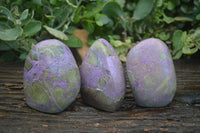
x=56 y=33
x=24 y=15
x=170 y=5
x=164 y=36
x=4 y=26
x=114 y=37
x=37 y=2
x=196 y=3
x=89 y=14
x=89 y=27
x=176 y=40
x=159 y=3
x=101 y=19
x=73 y=42
x=70 y=30
x=177 y=55
x=198 y=17
x=90 y=41
x=53 y=2
x=110 y=24
x=6 y=12
x=183 y=19
x=184 y=8
x=168 y=20
x=28 y=19
x=121 y=3
x=92 y=9
x=99 y=23
x=77 y=16
x=23 y=56
x=117 y=43
x=11 y=34
x=122 y=58
x=189 y=51
x=198 y=46
x=143 y=8
x=113 y=10
x=196 y=35
x=32 y=28
x=184 y=39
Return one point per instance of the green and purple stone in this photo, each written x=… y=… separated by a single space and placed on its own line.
x=151 y=73
x=51 y=77
x=102 y=77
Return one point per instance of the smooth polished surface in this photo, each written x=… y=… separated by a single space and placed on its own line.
x=51 y=77
x=102 y=77
x=151 y=73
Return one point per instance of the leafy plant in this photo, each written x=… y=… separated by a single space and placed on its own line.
x=124 y=23
x=184 y=43
x=16 y=30
x=178 y=28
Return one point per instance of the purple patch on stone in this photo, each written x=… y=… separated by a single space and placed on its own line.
x=136 y=83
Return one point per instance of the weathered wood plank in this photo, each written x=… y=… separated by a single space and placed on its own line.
x=182 y=115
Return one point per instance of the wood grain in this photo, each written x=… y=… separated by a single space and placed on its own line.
x=182 y=115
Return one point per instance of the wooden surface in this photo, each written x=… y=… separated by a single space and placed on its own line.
x=182 y=115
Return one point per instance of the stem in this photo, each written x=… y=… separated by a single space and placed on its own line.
x=51 y=12
x=63 y=22
x=68 y=23
x=78 y=4
x=66 y=18
x=124 y=36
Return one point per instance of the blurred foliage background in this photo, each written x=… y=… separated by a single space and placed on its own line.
x=123 y=23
